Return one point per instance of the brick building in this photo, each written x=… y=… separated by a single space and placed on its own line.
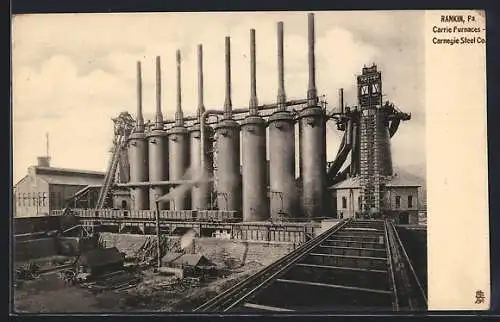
x=402 y=199
x=46 y=188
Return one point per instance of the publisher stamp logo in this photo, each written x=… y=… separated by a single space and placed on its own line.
x=480 y=298
x=459 y=30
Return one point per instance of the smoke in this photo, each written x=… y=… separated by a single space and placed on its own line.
x=190 y=178
x=187 y=239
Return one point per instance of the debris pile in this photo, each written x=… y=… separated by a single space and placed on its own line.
x=28 y=271
x=147 y=254
x=119 y=280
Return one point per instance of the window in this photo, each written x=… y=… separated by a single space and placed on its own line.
x=398 y=201
x=52 y=200
x=29 y=199
x=364 y=90
x=410 y=201
x=59 y=199
x=359 y=202
x=24 y=199
x=344 y=202
x=375 y=88
x=39 y=198
x=44 y=197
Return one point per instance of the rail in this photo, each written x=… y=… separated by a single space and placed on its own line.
x=241 y=291
x=410 y=292
x=392 y=281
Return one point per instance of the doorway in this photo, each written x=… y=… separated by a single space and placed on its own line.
x=404 y=219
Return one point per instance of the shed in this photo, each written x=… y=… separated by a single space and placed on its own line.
x=170 y=257
x=193 y=260
x=192 y=265
x=100 y=260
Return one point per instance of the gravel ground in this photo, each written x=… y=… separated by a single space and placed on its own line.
x=48 y=294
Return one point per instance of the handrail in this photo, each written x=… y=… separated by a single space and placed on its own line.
x=406 y=282
x=407 y=259
x=288 y=260
x=392 y=281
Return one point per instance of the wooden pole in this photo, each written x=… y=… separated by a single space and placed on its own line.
x=158 y=234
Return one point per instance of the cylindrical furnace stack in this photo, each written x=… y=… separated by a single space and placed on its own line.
x=227 y=133
x=178 y=147
x=157 y=148
x=201 y=192
x=383 y=140
x=283 y=191
x=253 y=131
x=312 y=142
x=138 y=154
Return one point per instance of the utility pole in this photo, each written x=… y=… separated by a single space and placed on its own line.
x=157 y=212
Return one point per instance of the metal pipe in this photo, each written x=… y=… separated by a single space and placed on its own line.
x=158 y=247
x=281 y=70
x=237 y=111
x=179 y=117
x=139 y=117
x=253 y=78
x=228 y=103
x=201 y=106
x=156 y=183
x=159 y=115
x=311 y=92
x=341 y=100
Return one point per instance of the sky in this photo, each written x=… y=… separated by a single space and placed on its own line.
x=73 y=72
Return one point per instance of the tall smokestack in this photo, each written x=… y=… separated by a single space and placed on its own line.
x=201 y=105
x=311 y=92
x=341 y=100
x=228 y=104
x=253 y=78
x=281 y=70
x=159 y=115
x=179 y=117
x=139 y=117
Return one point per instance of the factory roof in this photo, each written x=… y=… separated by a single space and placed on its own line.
x=402 y=181
x=69 y=180
x=61 y=176
x=65 y=171
x=397 y=180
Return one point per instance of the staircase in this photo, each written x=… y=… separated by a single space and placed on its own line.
x=368 y=164
x=111 y=172
x=349 y=271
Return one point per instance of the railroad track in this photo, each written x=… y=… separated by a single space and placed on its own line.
x=357 y=264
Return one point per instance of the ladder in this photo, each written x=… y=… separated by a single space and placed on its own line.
x=110 y=174
x=124 y=125
x=368 y=161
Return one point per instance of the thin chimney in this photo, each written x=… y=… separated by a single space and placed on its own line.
x=179 y=117
x=228 y=113
x=341 y=100
x=281 y=70
x=201 y=105
x=159 y=115
x=311 y=92
x=253 y=78
x=139 y=117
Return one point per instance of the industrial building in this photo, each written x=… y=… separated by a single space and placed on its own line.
x=189 y=167
x=45 y=188
x=209 y=175
x=401 y=197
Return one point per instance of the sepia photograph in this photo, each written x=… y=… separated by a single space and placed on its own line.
x=239 y=162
